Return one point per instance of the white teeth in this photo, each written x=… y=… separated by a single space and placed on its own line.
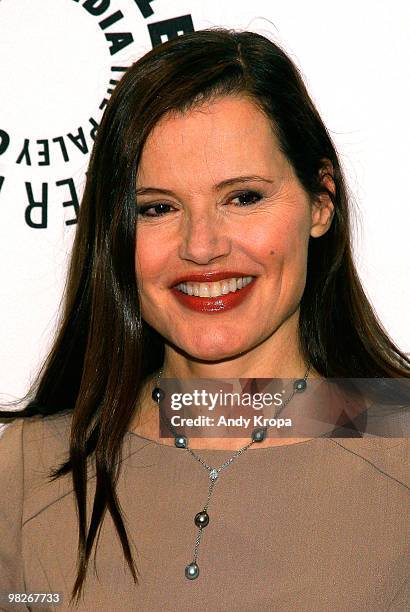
x=215 y=289
x=204 y=290
x=228 y=285
x=224 y=287
x=232 y=285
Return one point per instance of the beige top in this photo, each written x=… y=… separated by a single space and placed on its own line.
x=317 y=526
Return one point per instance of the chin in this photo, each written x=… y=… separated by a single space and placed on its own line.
x=212 y=349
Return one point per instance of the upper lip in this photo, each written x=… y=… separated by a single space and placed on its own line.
x=209 y=277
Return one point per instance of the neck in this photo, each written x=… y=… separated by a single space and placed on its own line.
x=278 y=357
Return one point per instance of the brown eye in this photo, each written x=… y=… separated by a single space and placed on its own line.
x=247 y=198
x=159 y=210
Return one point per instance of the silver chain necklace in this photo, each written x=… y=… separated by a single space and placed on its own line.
x=201 y=519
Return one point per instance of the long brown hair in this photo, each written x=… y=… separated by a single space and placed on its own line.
x=104 y=350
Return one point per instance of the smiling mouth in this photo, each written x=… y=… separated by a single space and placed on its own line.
x=215 y=289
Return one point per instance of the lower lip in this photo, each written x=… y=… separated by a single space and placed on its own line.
x=213 y=305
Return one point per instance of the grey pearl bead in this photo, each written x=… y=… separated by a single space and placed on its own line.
x=157 y=394
x=192 y=571
x=299 y=385
x=202 y=519
x=181 y=441
x=259 y=434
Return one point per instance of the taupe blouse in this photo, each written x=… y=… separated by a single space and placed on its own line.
x=316 y=526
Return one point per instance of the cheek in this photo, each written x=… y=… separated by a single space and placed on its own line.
x=281 y=250
x=271 y=242
x=149 y=257
x=146 y=269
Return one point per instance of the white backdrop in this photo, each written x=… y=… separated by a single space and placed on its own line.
x=58 y=58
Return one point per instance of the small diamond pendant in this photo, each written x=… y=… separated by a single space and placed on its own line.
x=213 y=474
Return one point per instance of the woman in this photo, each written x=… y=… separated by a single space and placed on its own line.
x=211 y=164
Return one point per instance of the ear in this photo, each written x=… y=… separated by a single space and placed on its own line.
x=322 y=206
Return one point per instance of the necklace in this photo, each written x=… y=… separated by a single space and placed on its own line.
x=201 y=519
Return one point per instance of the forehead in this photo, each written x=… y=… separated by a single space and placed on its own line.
x=230 y=135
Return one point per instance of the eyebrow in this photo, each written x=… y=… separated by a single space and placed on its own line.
x=226 y=183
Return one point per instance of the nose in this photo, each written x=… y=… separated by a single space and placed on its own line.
x=204 y=238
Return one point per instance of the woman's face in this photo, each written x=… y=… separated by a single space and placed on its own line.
x=217 y=196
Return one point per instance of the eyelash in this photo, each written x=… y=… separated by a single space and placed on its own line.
x=142 y=210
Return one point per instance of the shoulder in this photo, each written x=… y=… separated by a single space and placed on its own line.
x=30 y=448
x=384 y=457
x=42 y=436
x=11 y=464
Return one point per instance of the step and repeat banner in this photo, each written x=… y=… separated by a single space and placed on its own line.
x=61 y=60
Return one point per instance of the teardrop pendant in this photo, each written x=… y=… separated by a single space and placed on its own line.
x=192 y=571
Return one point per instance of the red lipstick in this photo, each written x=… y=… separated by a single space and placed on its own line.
x=212 y=305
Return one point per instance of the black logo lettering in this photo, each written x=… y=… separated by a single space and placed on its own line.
x=79 y=140
x=95 y=126
x=44 y=153
x=96 y=7
x=74 y=199
x=171 y=28
x=39 y=207
x=109 y=21
x=40 y=152
x=4 y=141
x=119 y=41
x=145 y=7
x=24 y=153
x=61 y=142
